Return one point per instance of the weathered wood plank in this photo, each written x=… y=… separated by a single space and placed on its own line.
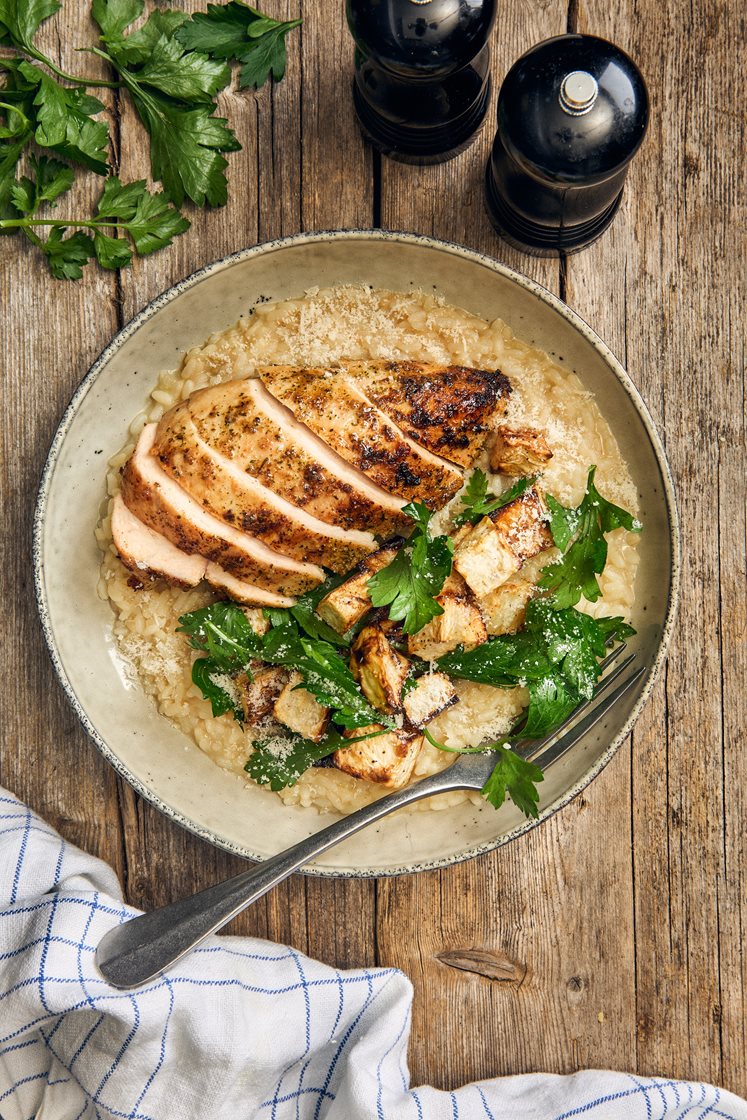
x=48 y=341
x=664 y=286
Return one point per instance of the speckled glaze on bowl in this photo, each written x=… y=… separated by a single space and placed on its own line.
x=157 y=759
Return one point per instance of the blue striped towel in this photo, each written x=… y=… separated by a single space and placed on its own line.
x=240 y=1029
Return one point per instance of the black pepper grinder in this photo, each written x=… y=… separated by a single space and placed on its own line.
x=572 y=113
x=422 y=74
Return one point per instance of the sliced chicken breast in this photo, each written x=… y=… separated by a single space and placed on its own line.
x=245 y=423
x=242 y=592
x=448 y=409
x=148 y=554
x=229 y=493
x=335 y=407
x=162 y=505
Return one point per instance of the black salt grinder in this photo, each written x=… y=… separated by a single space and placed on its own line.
x=572 y=113
x=422 y=75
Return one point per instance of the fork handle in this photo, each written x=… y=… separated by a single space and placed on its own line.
x=139 y=949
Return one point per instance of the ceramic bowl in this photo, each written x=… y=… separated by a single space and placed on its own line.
x=156 y=758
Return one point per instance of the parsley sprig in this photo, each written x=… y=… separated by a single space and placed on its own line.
x=580 y=534
x=512 y=775
x=239 y=33
x=172 y=82
x=409 y=583
x=148 y=220
x=555 y=657
x=478 y=503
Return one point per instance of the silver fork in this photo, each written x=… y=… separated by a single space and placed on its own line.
x=138 y=950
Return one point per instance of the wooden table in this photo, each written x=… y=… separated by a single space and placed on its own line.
x=613 y=935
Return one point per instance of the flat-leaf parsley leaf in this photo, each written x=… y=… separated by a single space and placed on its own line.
x=479 y=503
x=511 y=775
x=409 y=584
x=237 y=32
x=580 y=533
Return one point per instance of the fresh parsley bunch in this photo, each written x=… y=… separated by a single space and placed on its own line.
x=172 y=68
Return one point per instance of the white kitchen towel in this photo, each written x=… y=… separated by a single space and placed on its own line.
x=240 y=1029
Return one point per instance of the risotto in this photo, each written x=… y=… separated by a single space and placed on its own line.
x=359 y=323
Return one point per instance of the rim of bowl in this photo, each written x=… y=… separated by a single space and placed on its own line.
x=547 y=297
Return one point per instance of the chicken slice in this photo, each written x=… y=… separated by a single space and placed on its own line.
x=162 y=505
x=387 y=759
x=448 y=409
x=499 y=544
x=460 y=624
x=246 y=424
x=241 y=591
x=233 y=496
x=349 y=602
x=517 y=451
x=335 y=407
x=150 y=555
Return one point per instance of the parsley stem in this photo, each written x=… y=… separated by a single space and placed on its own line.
x=462 y=750
x=69 y=77
x=4 y=105
x=63 y=223
x=33 y=238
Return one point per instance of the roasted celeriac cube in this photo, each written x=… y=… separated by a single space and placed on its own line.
x=347 y=604
x=518 y=451
x=299 y=710
x=429 y=696
x=484 y=558
x=387 y=759
x=499 y=544
x=504 y=608
x=259 y=694
x=460 y=624
x=379 y=669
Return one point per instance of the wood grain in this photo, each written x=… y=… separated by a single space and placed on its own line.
x=676 y=294
x=45 y=757
x=614 y=934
